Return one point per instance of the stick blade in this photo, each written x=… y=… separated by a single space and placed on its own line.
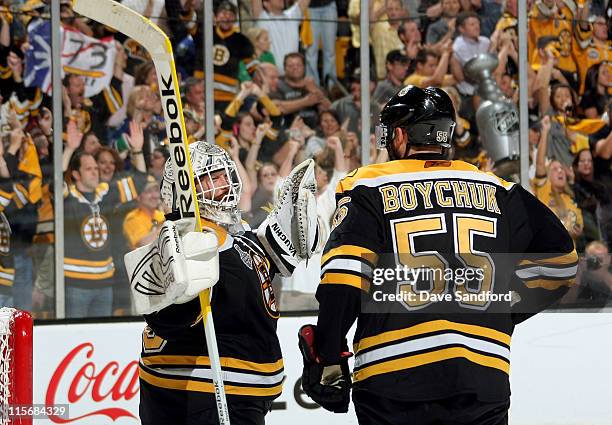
x=127 y=21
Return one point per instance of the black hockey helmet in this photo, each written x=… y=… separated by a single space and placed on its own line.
x=427 y=116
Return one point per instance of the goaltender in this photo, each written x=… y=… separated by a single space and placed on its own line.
x=175 y=375
x=429 y=360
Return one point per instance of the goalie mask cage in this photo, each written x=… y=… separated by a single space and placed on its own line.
x=15 y=363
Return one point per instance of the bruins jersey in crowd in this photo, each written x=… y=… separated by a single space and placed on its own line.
x=175 y=362
x=88 y=261
x=17 y=209
x=559 y=22
x=436 y=215
x=229 y=48
x=595 y=53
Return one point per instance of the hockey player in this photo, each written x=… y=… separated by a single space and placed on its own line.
x=167 y=276
x=435 y=355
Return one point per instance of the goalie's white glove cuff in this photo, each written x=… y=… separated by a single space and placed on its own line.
x=201 y=262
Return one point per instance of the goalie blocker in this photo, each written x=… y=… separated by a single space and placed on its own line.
x=166 y=276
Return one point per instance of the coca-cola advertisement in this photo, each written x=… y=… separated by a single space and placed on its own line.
x=93 y=368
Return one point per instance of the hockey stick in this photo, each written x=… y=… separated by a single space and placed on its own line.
x=155 y=41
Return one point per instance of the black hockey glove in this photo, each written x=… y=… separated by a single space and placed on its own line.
x=327 y=385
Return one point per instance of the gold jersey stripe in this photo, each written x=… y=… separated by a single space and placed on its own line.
x=346 y=279
x=88 y=263
x=565 y=259
x=228 y=362
x=223 y=95
x=224 y=79
x=110 y=104
x=207 y=387
x=549 y=284
x=122 y=194
x=90 y=276
x=429 y=327
x=352 y=250
x=428 y=358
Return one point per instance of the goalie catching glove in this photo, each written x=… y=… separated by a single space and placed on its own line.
x=330 y=385
x=175 y=268
x=290 y=233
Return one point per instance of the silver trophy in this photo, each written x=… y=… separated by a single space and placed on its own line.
x=497 y=117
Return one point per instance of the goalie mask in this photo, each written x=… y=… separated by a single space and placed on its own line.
x=217 y=183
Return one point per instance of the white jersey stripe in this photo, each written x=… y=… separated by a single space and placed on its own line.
x=348 y=264
x=89 y=269
x=430 y=342
x=431 y=175
x=205 y=373
x=540 y=271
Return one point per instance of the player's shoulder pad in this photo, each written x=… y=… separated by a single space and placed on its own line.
x=374 y=175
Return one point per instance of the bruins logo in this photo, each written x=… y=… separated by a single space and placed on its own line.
x=262 y=267
x=341 y=212
x=593 y=54
x=221 y=55
x=152 y=343
x=94 y=232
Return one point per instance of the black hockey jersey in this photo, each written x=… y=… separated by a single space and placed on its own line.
x=228 y=50
x=88 y=261
x=439 y=334
x=174 y=354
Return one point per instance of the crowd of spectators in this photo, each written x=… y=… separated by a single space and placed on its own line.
x=287 y=86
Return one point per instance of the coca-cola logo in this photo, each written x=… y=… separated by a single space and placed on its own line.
x=90 y=382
